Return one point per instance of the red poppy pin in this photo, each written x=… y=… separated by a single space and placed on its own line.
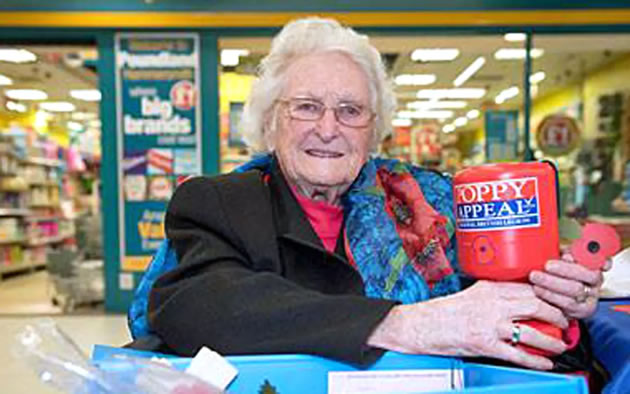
x=597 y=243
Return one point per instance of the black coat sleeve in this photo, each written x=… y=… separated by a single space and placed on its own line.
x=222 y=296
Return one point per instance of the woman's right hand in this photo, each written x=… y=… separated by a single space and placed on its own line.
x=475 y=322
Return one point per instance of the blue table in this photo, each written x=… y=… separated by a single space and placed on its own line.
x=610 y=333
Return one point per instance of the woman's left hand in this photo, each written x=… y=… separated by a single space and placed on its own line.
x=570 y=286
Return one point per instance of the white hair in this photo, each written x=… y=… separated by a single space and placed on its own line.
x=304 y=37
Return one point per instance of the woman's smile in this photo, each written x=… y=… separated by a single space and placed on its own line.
x=324 y=153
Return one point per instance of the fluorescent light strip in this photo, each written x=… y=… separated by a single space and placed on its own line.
x=515 y=37
x=415 y=79
x=431 y=104
x=74 y=126
x=506 y=94
x=473 y=114
x=4 y=80
x=17 y=107
x=231 y=57
x=461 y=121
x=434 y=54
x=425 y=114
x=448 y=128
x=16 y=55
x=26 y=94
x=537 y=77
x=86 y=94
x=516 y=53
x=57 y=106
x=457 y=93
x=84 y=115
x=469 y=71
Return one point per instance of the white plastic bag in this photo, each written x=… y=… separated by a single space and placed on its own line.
x=59 y=362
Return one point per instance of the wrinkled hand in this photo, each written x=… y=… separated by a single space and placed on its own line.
x=569 y=286
x=475 y=322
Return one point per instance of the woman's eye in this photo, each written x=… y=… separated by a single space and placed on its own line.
x=350 y=110
x=308 y=107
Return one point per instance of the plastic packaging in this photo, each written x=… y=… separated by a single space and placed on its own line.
x=59 y=362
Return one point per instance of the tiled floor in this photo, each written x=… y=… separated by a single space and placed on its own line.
x=28 y=293
x=26 y=298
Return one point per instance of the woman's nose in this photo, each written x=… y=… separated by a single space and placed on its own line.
x=328 y=126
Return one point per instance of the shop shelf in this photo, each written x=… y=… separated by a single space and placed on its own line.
x=46 y=205
x=12 y=241
x=39 y=264
x=15 y=267
x=43 y=183
x=43 y=218
x=42 y=161
x=49 y=240
x=14 y=212
x=292 y=374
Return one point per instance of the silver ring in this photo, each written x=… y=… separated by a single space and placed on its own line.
x=586 y=293
x=516 y=334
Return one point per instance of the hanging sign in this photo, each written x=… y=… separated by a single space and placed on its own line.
x=501 y=135
x=159 y=136
x=557 y=135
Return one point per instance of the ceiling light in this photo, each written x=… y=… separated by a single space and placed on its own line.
x=469 y=71
x=86 y=94
x=75 y=126
x=457 y=93
x=436 y=104
x=516 y=53
x=515 y=37
x=231 y=57
x=4 y=80
x=510 y=92
x=434 y=54
x=537 y=77
x=461 y=121
x=16 y=107
x=415 y=79
x=473 y=114
x=84 y=115
x=26 y=94
x=398 y=122
x=448 y=128
x=425 y=114
x=16 y=55
x=57 y=106
x=506 y=94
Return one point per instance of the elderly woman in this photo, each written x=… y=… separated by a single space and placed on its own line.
x=316 y=248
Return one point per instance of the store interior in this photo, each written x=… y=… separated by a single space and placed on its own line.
x=448 y=87
x=50 y=225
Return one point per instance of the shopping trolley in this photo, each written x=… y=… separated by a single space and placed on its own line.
x=74 y=281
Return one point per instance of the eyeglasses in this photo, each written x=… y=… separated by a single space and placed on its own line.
x=347 y=113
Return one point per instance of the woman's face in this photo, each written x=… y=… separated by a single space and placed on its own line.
x=323 y=153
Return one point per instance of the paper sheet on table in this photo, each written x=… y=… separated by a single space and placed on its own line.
x=395 y=381
x=617 y=280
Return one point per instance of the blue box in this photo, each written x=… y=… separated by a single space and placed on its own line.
x=300 y=374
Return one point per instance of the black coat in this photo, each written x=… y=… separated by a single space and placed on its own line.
x=253 y=277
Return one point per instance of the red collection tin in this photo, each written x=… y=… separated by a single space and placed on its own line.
x=506 y=219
